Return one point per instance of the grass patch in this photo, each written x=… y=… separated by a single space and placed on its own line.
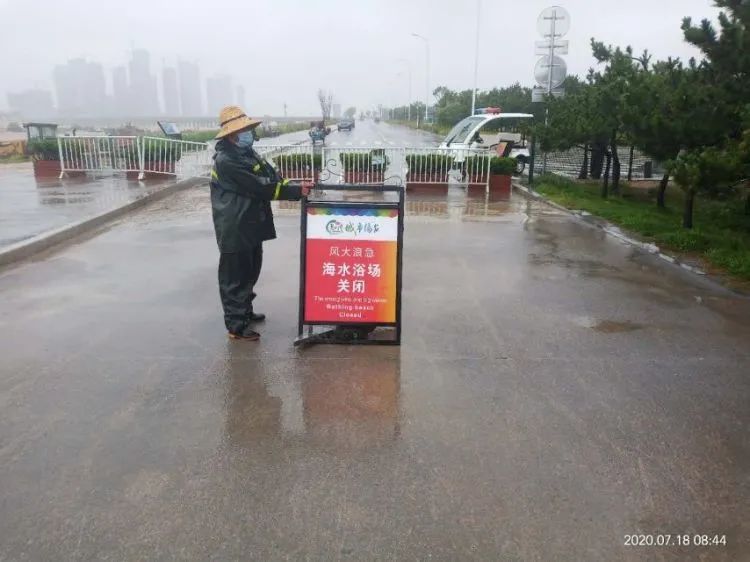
x=720 y=234
x=14 y=159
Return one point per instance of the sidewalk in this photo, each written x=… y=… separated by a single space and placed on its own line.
x=29 y=207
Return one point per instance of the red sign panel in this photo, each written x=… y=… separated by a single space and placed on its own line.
x=351 y=265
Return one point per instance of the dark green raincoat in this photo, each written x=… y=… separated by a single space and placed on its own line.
x=243 y=185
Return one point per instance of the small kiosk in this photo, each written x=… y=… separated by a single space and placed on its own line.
x=40 y=131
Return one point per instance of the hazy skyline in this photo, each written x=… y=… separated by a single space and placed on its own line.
x=282 y=51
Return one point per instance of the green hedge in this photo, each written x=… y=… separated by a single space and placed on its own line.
x=502 y=166
x=298 y=161
x=476 y=164
x=424 y=163
x=158 y=150
x=498 y=165
x=45 y=149
x=375 y=160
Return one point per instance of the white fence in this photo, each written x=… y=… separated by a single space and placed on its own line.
x=138 y=157
x=294 y=162
x=99 y=154
x=183 y=159
x=411 y=167
x=141 y=157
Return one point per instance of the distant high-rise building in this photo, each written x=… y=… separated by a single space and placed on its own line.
x=241 y=97
x=32 y=104
x=171 y=94
x=80 y=89
x=336 y=110
x=219 y=93
x=190 y=89
x=143 y=85
x=120 y=91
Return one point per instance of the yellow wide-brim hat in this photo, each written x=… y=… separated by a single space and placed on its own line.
x=233 y=120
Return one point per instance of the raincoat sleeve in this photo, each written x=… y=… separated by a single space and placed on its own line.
x=235 y=177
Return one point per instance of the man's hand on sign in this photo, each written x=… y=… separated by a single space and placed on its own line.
x=306 y=186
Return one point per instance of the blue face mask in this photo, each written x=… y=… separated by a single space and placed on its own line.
x=245 y=139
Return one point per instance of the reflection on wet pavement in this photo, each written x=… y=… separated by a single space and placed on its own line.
x=339 y=403
x=454 y=204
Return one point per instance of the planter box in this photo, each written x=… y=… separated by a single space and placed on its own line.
x=477 y=179
x=46 y=168
x=301 y=172
x=500 y=186
x=301 y=175
x=426 y=180
x=356 y=176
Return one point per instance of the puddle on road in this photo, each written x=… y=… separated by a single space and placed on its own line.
x=607 y=326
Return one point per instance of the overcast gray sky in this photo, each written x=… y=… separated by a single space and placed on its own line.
x=284 y=50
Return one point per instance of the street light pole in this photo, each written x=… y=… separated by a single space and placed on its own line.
x=427 y=74
x=476 y=64
x=408 y=66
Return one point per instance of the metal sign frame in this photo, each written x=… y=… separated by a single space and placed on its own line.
x=339 y=335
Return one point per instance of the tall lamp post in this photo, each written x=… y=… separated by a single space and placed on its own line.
x=408 y=65
x=476 y=64
x=427 y=73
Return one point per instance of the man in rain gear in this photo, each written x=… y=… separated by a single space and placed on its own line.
x=243 y=185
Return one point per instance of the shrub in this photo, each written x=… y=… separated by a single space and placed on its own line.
x=306 y=160
x=476 y=164
x=161 y=150
x=373 y=161
x=502 y=166
x=43 y=149
x=427 y=163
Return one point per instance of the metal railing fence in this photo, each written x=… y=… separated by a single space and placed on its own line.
x=408 y=166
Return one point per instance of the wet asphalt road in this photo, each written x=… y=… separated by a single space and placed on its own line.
x=555 y=391
x=369 y=134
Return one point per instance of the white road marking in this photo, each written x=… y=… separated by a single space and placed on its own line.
x=349 y=143
x=362 y=143
x=391 y=143
x=334 y=143
x=378 y=143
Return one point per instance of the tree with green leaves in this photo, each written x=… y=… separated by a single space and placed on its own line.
x=719 y=161
x=574 y=122
x=621 y=69
x=668 y=110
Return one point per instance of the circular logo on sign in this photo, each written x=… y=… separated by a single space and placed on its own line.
x=334 y=227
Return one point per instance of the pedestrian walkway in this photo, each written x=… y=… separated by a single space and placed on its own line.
x=29 y=207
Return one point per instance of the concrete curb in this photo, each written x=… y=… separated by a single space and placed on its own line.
x=46 y=240
x=608 y=228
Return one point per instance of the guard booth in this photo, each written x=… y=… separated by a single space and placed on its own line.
x=40 y=131
x=351 y=245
